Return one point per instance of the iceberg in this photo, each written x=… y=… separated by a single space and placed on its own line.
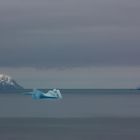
x=51 y=94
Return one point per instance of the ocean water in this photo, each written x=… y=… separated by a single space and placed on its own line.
x=81 y=115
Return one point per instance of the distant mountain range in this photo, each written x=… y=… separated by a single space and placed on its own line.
x=7 y=83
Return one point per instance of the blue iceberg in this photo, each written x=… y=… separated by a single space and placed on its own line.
x=51 y=94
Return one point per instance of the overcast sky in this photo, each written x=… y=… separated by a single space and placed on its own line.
x=88 y=43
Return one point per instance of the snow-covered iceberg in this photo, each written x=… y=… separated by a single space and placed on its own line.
x=52 y=94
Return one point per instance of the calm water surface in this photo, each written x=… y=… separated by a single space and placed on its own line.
x=80 y=115
x=75 y=103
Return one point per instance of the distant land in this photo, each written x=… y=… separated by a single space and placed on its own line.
x=7 y=83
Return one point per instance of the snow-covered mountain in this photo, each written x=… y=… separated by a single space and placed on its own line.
x=7 y=83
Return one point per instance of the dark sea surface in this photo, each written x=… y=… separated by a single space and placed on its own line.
x=81 y=115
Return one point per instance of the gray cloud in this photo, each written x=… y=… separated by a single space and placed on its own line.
x=67 y=33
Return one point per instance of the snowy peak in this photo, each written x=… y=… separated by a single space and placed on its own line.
x=6 y=79
x=6 y=82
